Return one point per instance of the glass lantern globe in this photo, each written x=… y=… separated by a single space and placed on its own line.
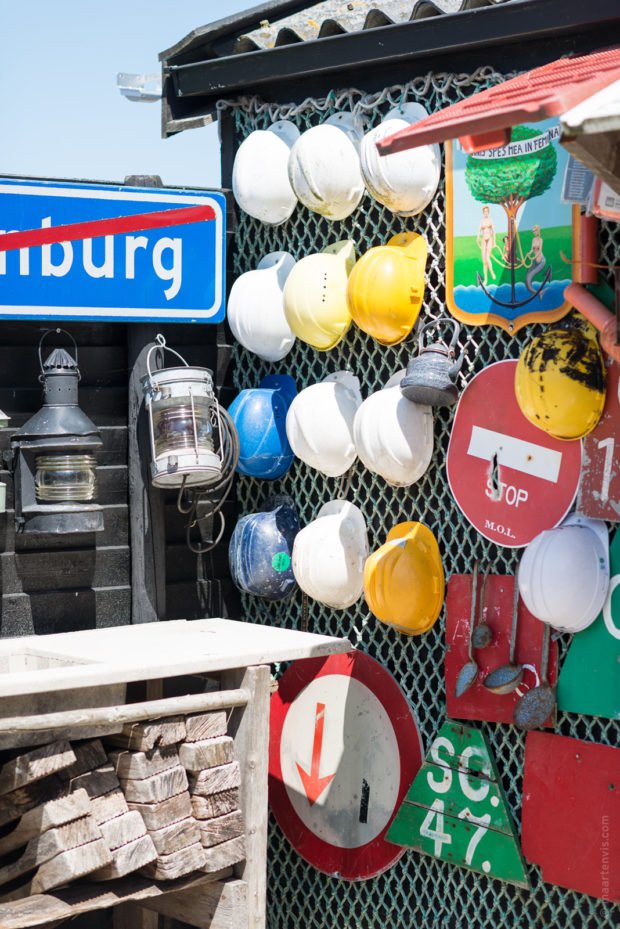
x=182 y=413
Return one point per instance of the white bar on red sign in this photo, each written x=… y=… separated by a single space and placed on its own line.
x=515 y=453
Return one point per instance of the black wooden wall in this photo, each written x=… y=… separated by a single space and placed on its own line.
x=58 y=583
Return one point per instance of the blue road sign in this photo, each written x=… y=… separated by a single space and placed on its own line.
x=109 y=266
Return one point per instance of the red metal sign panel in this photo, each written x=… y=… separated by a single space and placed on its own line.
x=599 y=494
x=483 y=120
x=477 y=702
x=510 y=479
x=571 y=813
x=344 y=747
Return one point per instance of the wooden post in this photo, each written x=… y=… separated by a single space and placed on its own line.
x=250 y=729
x=146 y=504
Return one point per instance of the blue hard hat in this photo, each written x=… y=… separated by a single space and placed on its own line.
x=259 y=415
x=261 y=548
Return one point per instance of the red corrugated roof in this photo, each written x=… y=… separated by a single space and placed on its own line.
x=484 y=119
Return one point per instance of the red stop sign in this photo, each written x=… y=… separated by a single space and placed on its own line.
x=510 y=479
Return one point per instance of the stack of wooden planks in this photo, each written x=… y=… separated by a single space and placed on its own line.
x=52 y=836
x=207 y=754
x=161 y=798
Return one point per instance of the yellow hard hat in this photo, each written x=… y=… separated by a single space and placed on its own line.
x=315 y=303
x=404 y=583
x=560 y=382
x=386 y=288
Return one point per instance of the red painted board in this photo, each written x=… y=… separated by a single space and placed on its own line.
x=571 y=813
x=538 y=94
x=599 y=492
x=478 y=702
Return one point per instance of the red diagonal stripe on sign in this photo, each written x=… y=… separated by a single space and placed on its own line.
x=113 y=226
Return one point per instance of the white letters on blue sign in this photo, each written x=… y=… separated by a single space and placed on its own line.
x=166 y=258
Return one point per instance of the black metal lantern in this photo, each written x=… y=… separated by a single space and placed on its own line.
x=54 y=455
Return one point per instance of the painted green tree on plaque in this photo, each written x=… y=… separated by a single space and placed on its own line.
x=510 y=182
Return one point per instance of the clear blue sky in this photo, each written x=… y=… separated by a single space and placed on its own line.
x=62 y=114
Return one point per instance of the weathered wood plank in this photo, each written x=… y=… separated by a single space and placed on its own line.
x=81 y=897
x=32 y=766
x=127 y=858
x=27 y=571
x=196 y=756
x=45 y=816
x=115 y=532
x=156 y=788
x=178 y=835
x=20 y=801
x=89 y=754
x=225 y=854
x=145 y=736
x=105 y=407
x=41 y=848
x=250 y=731
x=138 y=765
x=158 y=815
x=199 y=726
x=97 y=782
x=214 y=780
x=210 y=906
x=146 y=515
x=73 y=863
x=69 y=610
x=134 y=916
x=108 y=806
x=169 y=867
x=123 y=829
x=221 y=828
x=216 y=805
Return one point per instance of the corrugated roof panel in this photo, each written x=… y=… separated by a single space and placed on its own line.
x=333 y=17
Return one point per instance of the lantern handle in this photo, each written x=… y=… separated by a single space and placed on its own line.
x=46 y=332
x=160 y=343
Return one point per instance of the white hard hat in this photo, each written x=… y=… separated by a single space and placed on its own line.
x=255 y=309
x=404 y=182
x=329 y=555
x=260 y=173
x=324 y=167
x=393 y=436
x=319 y=423
x=564 y=573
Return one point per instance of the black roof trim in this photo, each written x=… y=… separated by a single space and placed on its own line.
x=192 y=88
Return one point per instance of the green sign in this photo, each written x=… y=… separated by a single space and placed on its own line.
x=589 y=682
x=456 y=811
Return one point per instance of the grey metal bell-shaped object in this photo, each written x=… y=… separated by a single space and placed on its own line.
x=431 y=374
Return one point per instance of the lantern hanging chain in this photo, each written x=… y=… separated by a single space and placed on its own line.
x=212 y=496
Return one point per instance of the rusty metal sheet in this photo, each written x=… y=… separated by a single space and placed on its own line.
x=478 y=702
x=599 y=493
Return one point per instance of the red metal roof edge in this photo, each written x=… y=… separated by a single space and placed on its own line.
x=539 y=94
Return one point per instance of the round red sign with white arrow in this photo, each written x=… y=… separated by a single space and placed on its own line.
x=510 y=479
x=344 y=747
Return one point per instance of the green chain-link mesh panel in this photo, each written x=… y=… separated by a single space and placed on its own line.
x=417 y=891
